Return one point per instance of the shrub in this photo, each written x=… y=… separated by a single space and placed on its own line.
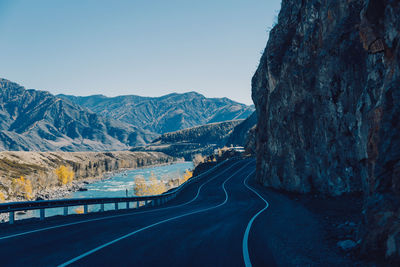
x=23 y=187
x=79 y=210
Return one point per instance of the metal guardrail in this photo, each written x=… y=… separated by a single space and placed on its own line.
x=42 y=205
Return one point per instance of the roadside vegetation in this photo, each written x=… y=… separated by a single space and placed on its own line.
x=28 y=187
x=79 y=210
x=64 y=174
x=23 y=188
x=157 y=186
x=47 y=175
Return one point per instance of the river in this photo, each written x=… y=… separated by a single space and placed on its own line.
x=116 y=186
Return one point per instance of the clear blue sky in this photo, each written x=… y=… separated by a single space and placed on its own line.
x=142 y=47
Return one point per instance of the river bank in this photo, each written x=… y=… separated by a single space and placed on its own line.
x=38 y=169
x=80 y=185
x=111 y=184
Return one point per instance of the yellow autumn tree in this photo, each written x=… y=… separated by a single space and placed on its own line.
x=140 y=186
x=23 y=187
x=65 y=175
x=186 y=176
x=148 y=188
x=155 y=186
x=2 y=198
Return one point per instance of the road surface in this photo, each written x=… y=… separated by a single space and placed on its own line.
x=218 y=220
x=204 y=226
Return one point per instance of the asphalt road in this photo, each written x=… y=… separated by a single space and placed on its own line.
x=204 y=226
x=222 y=219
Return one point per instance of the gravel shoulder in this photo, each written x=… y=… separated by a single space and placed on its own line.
x=304 y=230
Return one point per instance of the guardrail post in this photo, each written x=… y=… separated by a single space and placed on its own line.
x=102 y=207
x=85 y=209
x=42 y=214
x=127 y=205
x=116 y=205
x=11 y=217
x=65 y=211
x=137 y=204
x=152 y=202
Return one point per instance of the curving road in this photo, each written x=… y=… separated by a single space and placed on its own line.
x=218 y=220
x=206 y=225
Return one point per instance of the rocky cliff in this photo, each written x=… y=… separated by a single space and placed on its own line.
x=327 y=96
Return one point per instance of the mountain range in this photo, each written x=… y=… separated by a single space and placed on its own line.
x=164 y=114
x=39 y=121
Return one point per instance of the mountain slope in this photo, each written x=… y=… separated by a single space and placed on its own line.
x=186 y=143
x=166 y=113
x=240 y=133
x=37 y=120
x=213 y=133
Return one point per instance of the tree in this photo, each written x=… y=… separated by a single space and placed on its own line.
x=198 y=159
x=153 y=187
x=65 y=175
x=186 y=176
x=140 y=186
x=23 y=186
x=156 y=187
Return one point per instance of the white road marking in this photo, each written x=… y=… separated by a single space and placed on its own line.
x=122 y=215
x=157 y=223
x=245 y=249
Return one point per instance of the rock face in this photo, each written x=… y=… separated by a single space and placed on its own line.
x=39 y=121
x=167 y=113
x=327 y=96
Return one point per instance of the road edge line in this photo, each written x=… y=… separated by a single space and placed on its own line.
x=245 y=248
